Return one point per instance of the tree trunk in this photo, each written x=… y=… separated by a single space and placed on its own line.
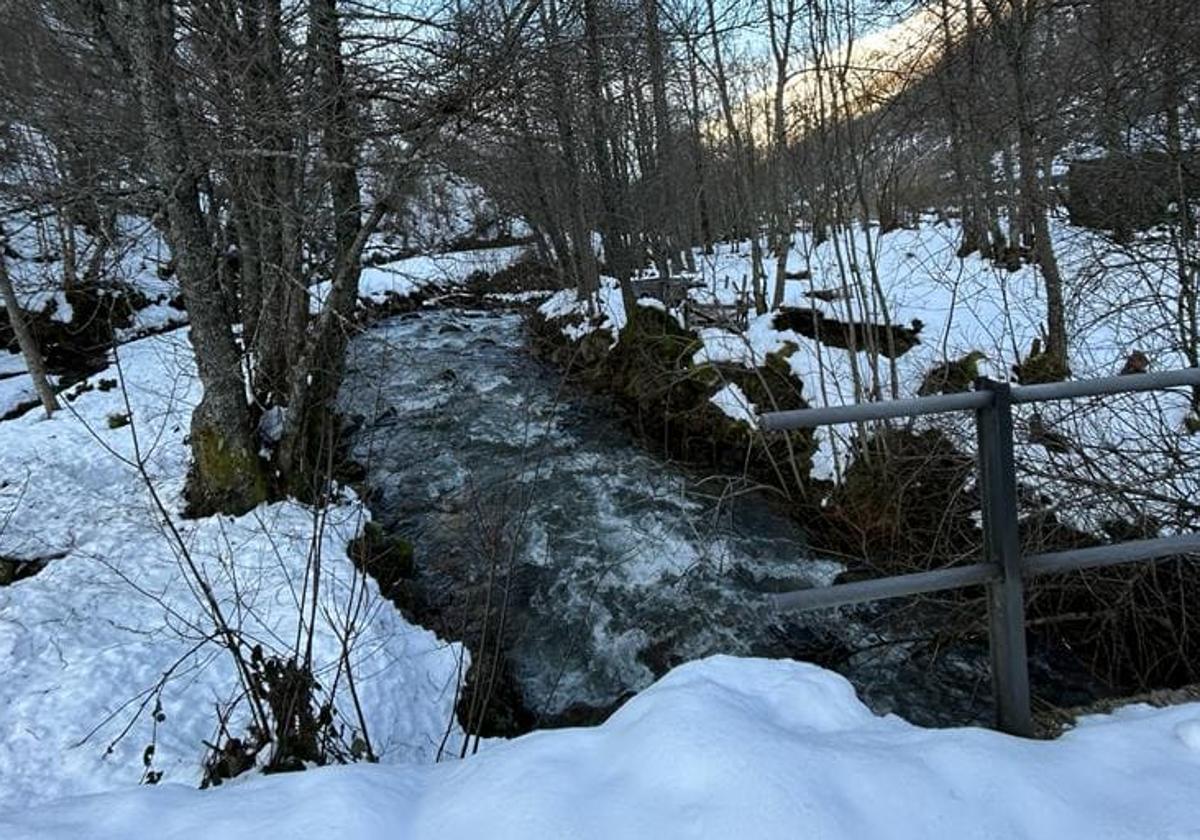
x=781 y=46
x=1034 y=203
x=317 y=373
x=702 y=216
x=548 y=221
x=582 y=258
x=226 y=473
x=665 y=224
x=612 y=226
x=1105 y=49
x=25 y=339
x=958 y=89
x=743 y=164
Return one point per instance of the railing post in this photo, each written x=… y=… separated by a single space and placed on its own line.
x=1006 y=597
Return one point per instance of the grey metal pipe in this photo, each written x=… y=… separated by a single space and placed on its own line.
x=1110 y=555
x=807 y=418
x=955 y=577
x=1111 y=385
x=843 y=594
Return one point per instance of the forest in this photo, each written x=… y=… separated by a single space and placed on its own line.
x=390 y=390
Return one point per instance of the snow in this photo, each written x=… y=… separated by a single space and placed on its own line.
x=658 y=306
x=85 y=642
x=563 y=303
x=733 y=401
x=1188 y=732
x=153 y=318
x=721 y=747
x=970 y=304
x=605 y=313
x=133 y=261
x=718 y=748
x=11 y=363
x=428 y=272
x=519 y=297
x=16 y=391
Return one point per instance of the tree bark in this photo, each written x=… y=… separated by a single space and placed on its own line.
x=612 y=226
x=1036 y=211
x=781 y=47
x=226 y=473
x=743 y=165
x=666 y=215
x=582 y=258
x=25 y=339
x=317 y=373
x=1015 y=21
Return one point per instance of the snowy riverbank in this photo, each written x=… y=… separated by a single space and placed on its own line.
x=954 y=306
x=718 y=748
x=112 y=628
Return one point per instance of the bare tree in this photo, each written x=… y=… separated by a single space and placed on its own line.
x=25 y=337
x=1015 y=24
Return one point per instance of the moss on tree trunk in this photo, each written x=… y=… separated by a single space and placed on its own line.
x=226 y=476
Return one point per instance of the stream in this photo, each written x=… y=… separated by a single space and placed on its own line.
x=620 y=564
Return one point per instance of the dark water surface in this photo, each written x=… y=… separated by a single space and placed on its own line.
x=623 y=565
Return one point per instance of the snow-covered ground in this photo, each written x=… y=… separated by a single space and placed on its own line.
x=113 y=628
x=734 y=403
x=531 y=296
x=136 y=264
x=718 y=748
x=16 y=391
x=134 y=261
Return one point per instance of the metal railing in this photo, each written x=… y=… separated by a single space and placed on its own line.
x=1004 y=569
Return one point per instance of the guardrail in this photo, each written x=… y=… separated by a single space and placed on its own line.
x=1004 y=569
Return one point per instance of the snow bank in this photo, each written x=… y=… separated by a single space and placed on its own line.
x=519 y=297
x=718 y=748
x=134 y=262
x=85 y=643
x=429 y=272
x=606 y=312
x=970 y=304
x=11 y=364
x=151 y=319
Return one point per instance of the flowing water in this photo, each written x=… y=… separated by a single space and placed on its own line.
x=622 y=564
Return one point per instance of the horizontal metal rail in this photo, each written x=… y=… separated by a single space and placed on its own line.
x=860 y=592
x=957 y=577
x=1051 y=391
x=807 y=418
x=1110 y=555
